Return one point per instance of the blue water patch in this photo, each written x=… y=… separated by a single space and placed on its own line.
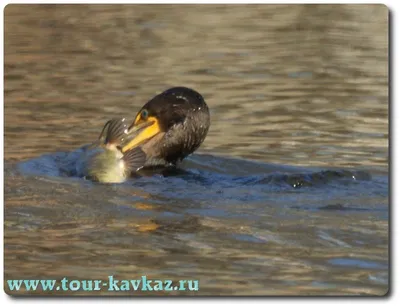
x=247 y=238
x=380 y=278
x=212 y=179
x=362 y=264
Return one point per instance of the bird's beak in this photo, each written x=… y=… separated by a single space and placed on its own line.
x=141 y=131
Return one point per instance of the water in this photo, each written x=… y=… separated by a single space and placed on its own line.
x=288 y=195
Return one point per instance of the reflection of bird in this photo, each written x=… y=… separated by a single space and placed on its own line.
x=170 y=126
x=103 y=161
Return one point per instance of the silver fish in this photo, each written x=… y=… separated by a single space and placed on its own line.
x=103 y=161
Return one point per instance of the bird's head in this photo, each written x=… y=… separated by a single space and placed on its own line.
x=162 y=113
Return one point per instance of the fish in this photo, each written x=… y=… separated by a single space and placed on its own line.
x=103 y=161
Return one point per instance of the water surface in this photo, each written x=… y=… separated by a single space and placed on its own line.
x=288 y=195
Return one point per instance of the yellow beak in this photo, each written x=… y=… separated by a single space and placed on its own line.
x=141 y=132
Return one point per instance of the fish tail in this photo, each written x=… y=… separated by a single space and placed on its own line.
x=114 y=131
x=134 y=158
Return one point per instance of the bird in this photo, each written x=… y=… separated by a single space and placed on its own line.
x=169 y=127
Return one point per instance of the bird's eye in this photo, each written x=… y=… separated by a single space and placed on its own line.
x=144 y=114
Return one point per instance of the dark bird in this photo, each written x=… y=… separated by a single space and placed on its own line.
x=169 y=127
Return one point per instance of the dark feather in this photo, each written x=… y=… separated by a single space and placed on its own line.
x=184 y=120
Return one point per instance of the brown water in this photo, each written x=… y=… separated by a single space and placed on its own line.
x=287 y=196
